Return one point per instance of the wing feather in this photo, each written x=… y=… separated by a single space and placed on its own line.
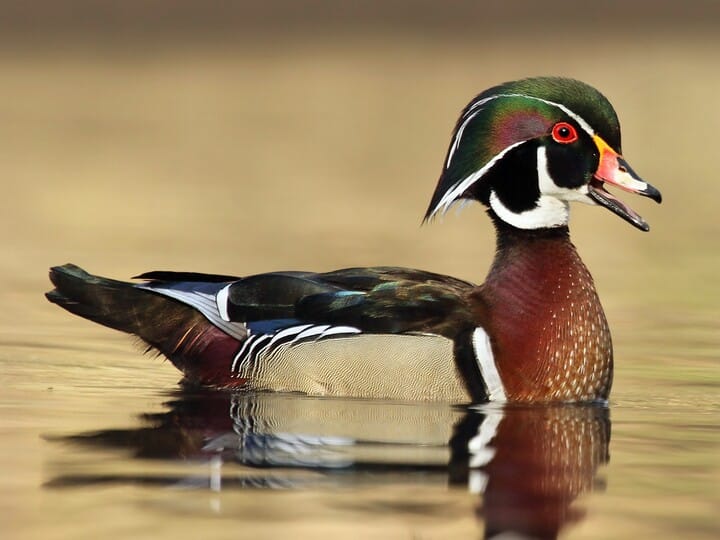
x=378 y=300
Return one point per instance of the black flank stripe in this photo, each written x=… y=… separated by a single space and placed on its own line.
x=466 y=363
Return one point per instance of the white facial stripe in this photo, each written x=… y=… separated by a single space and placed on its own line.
x=549 y=187
x=479 y=103
x=456 y=191
x=552 y=208
x=579 y=119
x=459 y=188
x=548 y=212
x=472 y=112
x=458 y=136
x=467 y=118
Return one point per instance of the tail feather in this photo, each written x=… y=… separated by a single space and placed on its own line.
x=108 y=302
x=178 y=331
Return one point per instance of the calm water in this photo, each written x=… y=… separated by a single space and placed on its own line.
x=205 y=160
x=99 y=441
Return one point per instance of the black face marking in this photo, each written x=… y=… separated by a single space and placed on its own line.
x=572 y=165
x=514 y=178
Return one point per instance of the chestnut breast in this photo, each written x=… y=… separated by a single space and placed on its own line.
x=549 y=334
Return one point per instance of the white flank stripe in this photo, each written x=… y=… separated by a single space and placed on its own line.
x=251 y=354
x=265 y=344
x=340 y=330
x=241 y=353
x=312 y=331
x=288 y=332
x=486 y=363
x=221 y=299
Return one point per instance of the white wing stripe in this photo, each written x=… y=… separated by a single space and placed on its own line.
x=205 y=303
x=312 y=331
x=339 y=330
x=221 y=299
x=293 y=330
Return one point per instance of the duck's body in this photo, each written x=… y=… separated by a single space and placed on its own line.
x=534 y=331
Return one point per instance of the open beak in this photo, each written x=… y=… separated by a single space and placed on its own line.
x=614 y=170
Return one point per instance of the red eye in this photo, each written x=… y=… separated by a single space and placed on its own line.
x=564 y=133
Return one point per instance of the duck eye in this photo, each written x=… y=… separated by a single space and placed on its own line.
x=564 y=133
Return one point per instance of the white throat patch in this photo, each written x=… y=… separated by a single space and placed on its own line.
x=552 y=208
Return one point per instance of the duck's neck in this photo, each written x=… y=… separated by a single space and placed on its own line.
x=550 y=337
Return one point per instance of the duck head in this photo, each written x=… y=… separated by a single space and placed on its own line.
x=527 y=148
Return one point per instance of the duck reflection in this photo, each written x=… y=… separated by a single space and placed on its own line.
x=527 y=465
x=530 y=464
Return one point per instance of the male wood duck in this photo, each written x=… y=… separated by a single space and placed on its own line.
x=533 y=332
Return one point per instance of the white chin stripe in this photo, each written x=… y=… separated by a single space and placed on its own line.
x=486 y=364
x=548 y=212
x=550 y=188
x=551 y=209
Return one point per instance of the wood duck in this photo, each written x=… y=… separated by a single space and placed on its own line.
x=535 y=331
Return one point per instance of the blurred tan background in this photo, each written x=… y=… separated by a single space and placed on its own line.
x=240 y=138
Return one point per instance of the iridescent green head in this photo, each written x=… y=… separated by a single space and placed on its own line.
x=527 y=148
